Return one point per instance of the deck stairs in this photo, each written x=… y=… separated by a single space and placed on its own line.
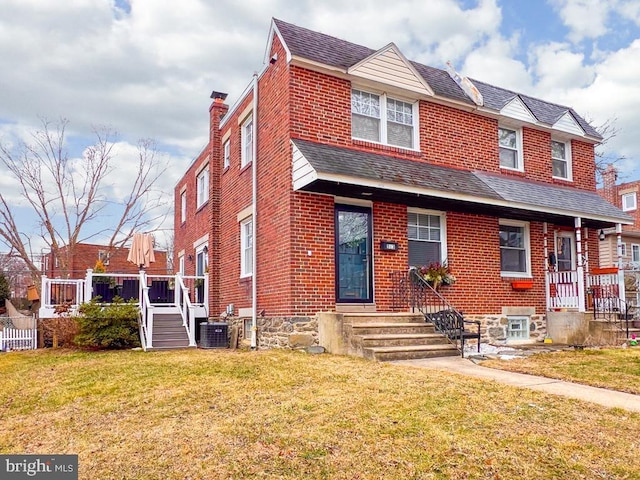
x=169 y=331
x=394 y=336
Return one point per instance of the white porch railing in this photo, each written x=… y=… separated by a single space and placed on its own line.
x=563 y=290
x=187 y=295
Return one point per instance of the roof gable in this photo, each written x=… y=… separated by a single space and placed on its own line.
x=518 y=110
x=567 y=123
x=389 y=66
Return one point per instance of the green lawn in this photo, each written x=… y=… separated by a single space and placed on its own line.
x=211 y=414
x=614 y=368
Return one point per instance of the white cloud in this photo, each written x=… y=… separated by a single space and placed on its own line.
x=557 y=68
x=495 y=63
x=584 y=18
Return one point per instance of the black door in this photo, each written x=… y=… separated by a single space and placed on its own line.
x=353 y=254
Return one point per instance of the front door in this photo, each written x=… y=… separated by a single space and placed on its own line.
x=566 y=251
x=354 y=279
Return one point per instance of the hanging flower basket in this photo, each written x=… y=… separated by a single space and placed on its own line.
x=522 y=284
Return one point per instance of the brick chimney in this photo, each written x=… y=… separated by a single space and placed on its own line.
x=609 y=178
x=217 y=111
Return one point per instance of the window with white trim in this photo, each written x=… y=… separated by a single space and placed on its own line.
x=201 y=260
x=103 y=256
x=226 y=154
x=246 y=247
x=183 y=207
x=382 y=119
x=181 y=264
x=623 y=249
x=515 y=249
x=629 y=201
x=426 y=235
x=202 y=187
x=561 y=159
x=246 y=155
x=510 y=142
x=517 y=328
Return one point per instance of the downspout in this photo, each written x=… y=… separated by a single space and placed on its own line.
x=254 y=211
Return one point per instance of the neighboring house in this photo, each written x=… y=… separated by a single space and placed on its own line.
x=340 y=165
x=621 y=248
x=86 y=255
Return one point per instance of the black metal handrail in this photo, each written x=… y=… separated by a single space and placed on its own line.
x=410 y=289
x=608 y=306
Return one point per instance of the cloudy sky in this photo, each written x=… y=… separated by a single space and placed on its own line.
x=147 y=67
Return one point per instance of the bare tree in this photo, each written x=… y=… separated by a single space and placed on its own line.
x=66 y=195
x=609 y=131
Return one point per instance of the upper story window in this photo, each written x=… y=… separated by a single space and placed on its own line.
x=510 y=141
x=515 y=249
x=183 y=206
x=202 y=187
x=226 y=154
x=426 y=234
x=561 y=159
x=382 y=119
x=629 y=201
x=247 y=142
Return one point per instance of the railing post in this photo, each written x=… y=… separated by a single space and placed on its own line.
x=580 y=269
x=88 y=285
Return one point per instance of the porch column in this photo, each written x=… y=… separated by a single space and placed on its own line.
x=621 y=288
x=545 y=241
x=580 y=265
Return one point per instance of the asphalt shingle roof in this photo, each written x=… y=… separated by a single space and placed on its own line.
x=335 y=52
x=483 y=186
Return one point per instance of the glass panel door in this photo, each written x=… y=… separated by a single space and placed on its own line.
x=353 y=254
x=565 y=251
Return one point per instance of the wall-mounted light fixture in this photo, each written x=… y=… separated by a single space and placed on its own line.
x=602 y=235
x=205 y=250
x=190 y=257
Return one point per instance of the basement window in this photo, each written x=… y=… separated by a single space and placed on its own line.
x=518 y=328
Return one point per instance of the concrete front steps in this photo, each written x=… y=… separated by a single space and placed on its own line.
x=168 y=332
x=394 y=336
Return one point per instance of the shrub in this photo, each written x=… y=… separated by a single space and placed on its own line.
x=107 y=327
x=5 y=290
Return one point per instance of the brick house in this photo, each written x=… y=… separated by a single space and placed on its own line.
x=340 y=165
x=621 y=248
x=86 y=255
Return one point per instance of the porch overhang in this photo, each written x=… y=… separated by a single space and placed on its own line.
x=363 y=175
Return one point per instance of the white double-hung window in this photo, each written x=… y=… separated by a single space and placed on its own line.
x=246 y=247
x=202 y=187
x=629 y=201
x=510 y=142
x=246 y=134
x=561 y=159
x=382 y=119
x=426 y=235
x=515 y=249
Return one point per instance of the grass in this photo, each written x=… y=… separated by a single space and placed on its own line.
x=615 y=368
x=203 y=414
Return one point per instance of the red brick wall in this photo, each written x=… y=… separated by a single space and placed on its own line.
x=197 y=223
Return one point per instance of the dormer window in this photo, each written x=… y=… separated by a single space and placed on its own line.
x=510 y=142
x=382 y=119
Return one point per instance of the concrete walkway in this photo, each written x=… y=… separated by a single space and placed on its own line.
x=463 y=366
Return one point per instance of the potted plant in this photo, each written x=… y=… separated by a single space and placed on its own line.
x=437 y=274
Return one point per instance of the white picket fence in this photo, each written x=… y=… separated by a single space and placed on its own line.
x=19 y=339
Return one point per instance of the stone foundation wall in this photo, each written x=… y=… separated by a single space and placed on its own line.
x=281 y=332
x=493 y=329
